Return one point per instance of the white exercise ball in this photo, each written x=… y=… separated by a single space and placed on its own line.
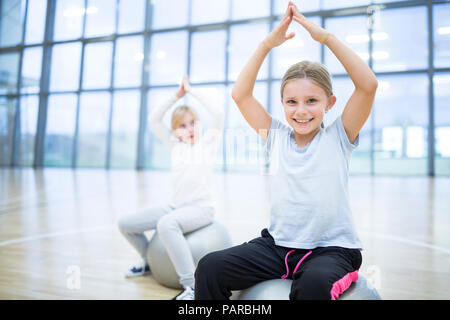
x=212 y=237
x=279 y=289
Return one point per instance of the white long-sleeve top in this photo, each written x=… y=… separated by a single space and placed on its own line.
x=191 y=165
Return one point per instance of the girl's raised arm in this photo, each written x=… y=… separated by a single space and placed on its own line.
x=155 y=117
x=216 y=110
x=155 y=120
x=359 y=106
x=254 y=113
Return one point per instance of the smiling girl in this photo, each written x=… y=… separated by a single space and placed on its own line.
x=311 y=238
x=191 y=203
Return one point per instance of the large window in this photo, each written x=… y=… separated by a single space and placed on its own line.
x=242 y=144
x=97 y=65
x=303 y=6
x=61 y=120
x=131 y=18
x=124 y=128
x=101 y=18
x=361 y=157
x=29 y=105
x=240 y=51
x=69 y=18
x=128 y=62
x=353 y=32
x=31 y=70
x=11 y=22
x=8 y=109
x=400 y=39
x=35 y=25
x=442 y=125
x=164 y=15
x=441 y=35
x=249 y=9
x=401 y=125
x=218 y=11
x=65 y=67
x=78 y=78
x=9 y=70
x=331 y=4
x=93 y=129
x=208 y=56
x=168 y=57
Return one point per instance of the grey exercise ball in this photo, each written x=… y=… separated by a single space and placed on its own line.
x=212 y=237
x=279 y=289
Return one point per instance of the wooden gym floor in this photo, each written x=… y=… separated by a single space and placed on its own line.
x=57 y=225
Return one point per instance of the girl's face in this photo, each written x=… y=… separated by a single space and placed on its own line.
x=188 y=129
x=305 y=104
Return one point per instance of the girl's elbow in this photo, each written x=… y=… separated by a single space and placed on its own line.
x=370 y=86
x=374 y=85
x=235 y=95
x=238 y=94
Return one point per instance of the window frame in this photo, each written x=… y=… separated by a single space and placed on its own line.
x=145 y=86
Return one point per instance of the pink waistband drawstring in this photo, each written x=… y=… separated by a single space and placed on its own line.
x=284 y=276
x=301 y=260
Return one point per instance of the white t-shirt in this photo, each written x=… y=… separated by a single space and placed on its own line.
x=309 y=204
x=191 y=165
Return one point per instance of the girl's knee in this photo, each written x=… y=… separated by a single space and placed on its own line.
x=313 y=285
x=209 y=265
x=124 y=225
x=167 y=224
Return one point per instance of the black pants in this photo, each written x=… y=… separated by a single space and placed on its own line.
x=322 y=272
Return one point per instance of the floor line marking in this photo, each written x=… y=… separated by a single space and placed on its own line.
x=407 y=241
x=85 y=230
x=54 y=234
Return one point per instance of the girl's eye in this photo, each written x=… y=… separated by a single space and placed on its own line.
x=312 y=100
x=290 y=102
x=192 y=122
x=182 y=126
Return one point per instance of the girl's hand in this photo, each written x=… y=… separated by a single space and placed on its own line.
x=278 y=35
x=183 y=88
x=317 y=33
x=186 y=84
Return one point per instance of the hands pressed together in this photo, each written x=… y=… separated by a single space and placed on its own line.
x=279 y=34
x=184 y=88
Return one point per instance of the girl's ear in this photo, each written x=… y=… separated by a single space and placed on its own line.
x=331 y=101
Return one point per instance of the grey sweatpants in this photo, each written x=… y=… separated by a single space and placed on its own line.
x=171 y=223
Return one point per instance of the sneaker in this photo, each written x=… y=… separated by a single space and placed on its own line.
x=187 y=294
x=138 y=270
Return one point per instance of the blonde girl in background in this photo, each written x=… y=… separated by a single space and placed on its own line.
x=191 y=203
x=311 y=238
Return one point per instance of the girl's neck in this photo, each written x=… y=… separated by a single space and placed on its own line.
x=302 y=140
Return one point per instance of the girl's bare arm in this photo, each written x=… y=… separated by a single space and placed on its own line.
x=254 y=113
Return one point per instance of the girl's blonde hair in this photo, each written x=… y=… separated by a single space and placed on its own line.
x=179 y=113
x=309 y=70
